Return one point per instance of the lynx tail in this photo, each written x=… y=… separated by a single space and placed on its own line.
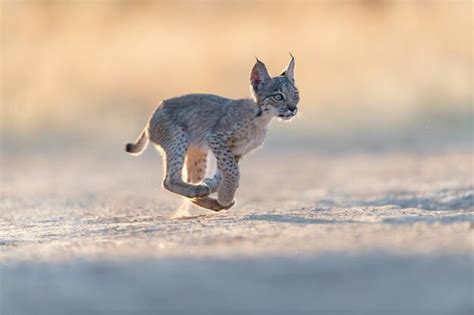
x=139 y=146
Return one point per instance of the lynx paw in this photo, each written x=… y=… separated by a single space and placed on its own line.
x=211 y=204
x=213 y=182
x=199 y=191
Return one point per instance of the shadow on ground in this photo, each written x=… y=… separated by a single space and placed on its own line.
x=443 y=199
x=284 y=218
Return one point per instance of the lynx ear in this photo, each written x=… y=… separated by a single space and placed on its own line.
x=289 y=72
x=259 y=75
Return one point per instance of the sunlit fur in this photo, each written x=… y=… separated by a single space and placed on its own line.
x=185 y=128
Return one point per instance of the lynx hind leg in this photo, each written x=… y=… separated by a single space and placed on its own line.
x=175 y=152
x=196 y=163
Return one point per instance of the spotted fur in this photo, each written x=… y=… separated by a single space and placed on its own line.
x=185 y=128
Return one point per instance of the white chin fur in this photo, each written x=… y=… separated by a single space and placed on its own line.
x=286 y=118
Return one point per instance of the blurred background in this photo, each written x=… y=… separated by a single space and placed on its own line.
x=373 y=75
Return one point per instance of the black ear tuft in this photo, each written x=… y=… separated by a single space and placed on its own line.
x=289 y=72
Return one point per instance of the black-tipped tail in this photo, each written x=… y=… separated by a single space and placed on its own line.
x=138 y=147
x=129 y=148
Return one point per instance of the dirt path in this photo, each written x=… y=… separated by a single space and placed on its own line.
x=370 y=233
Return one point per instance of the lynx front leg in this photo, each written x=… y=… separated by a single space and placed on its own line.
x=214 y=181
x=228 y=168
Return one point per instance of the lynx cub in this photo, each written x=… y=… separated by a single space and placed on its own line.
x=185 y=128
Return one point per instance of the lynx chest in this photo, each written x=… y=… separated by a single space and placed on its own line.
x=249 y=140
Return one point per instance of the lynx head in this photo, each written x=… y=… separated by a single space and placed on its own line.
x=275 y=96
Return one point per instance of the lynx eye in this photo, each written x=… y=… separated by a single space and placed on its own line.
x=278 y=97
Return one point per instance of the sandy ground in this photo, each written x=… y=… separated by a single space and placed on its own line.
x=348 y=233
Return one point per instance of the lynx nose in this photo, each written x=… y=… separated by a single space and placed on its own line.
x=293 y=109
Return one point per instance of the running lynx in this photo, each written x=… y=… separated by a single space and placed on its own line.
x=185 y=128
